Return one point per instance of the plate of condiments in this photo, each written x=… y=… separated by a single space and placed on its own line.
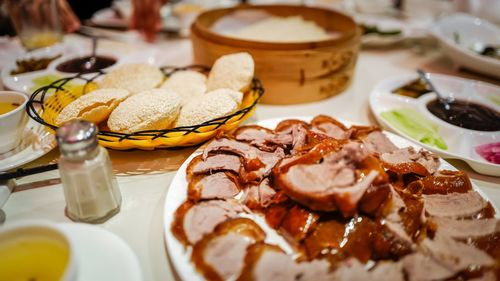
x=468 y=129
x=41 y=67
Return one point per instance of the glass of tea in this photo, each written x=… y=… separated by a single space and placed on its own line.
x=13 y=119
x=38 y=23
x=33 y=250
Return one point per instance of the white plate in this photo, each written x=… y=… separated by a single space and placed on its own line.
x=177 y=194
x=461 y=142
x=409 y=30
x=107 y=18
x=472 y=32
x=101 y=255
x=36 y=142
x=24 y=82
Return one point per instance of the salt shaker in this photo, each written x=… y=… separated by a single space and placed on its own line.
x=90 y=187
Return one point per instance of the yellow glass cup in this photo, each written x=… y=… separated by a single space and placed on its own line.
x=35 y=251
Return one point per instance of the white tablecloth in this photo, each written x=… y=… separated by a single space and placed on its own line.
x=144 y=177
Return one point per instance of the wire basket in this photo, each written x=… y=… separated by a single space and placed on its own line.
x=46 y=103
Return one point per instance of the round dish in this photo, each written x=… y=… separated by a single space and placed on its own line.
x=296 y=72
x=101 y=255
x=461 y=142
x=460 y=34
x=35 y=143
x=181 y=259
x=53 y=100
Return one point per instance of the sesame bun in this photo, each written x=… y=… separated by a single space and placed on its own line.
x=154 y=109
x=94 y=106
x=206 y=108
x=233 y=71
x=133 y=77
x=188 y=84
x=235 y=95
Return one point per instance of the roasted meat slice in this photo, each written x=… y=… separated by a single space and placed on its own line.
x=220 y=254
x=454 y=204
x=442 y=182
x=408 y=160
x=332 y=184
x=221 y=185
x=330 y=127
x=454 y=255
x=352 y=270
x=286 y=126
x=420 y=267
x=258 y=196
x=262 y=138
x=257 y=163
x=193 y=221
x=213 y=163
x=378 y=143
x=268 y=262
x=463 y=229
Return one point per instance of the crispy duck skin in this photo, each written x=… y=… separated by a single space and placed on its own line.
x=330 y=127
x=286 y=125
x=231 y=237
x=297 y=223
x=443 y=182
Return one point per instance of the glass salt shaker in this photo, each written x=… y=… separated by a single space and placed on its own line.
x=90 y=187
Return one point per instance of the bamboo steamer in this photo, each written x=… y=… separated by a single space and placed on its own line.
x=290 y=72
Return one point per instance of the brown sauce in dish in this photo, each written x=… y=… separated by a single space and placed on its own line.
x=467 y=115
x=78 y=65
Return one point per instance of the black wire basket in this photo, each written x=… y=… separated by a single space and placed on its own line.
x=46 y=103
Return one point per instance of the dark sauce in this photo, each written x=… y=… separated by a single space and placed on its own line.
x=81 y=65
x=467 y=115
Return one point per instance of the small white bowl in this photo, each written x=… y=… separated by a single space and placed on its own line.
x=12 y=122
x=19 y=233
x=472 y=32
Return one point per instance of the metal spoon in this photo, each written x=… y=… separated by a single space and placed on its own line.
x=93 y=58
x=444 y=101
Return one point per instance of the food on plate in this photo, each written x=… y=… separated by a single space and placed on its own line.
x=495 y=99
x=153 y=109
x=490 y=152
x=206 y=108
x=466 y=114
x=282 y=30
x=234 y=71
x=6 y=107
x=489 y=51
x=373 y=29
x=134 y=78
x=413 y=89
x=415 y=126
x=221 y=254
x=347 y=203
x=95 y=106
x=86 y=64
x=188 y=84
x=32 y=64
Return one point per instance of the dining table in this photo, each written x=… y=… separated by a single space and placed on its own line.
x=144 y=177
